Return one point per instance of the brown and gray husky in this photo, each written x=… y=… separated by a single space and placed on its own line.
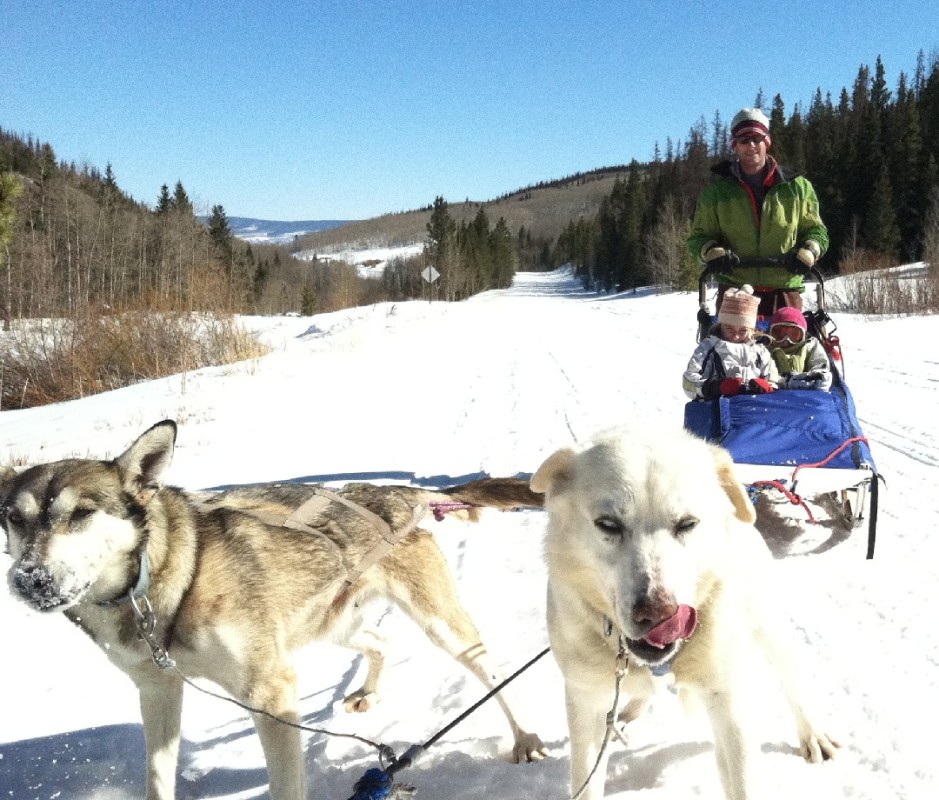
x=235 y=581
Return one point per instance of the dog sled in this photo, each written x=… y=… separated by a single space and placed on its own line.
x=797 y=450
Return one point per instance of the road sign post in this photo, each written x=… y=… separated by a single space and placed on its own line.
x=430 y=275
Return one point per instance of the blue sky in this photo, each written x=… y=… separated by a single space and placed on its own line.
x=348 y=109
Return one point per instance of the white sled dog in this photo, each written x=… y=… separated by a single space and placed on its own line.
x=235 y=581
x=653 y=564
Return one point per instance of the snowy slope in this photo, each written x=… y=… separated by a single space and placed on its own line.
x=268 y=231
x=370 y=262
x=434 y=393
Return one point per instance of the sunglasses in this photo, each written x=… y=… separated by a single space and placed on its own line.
x=751 y=139
x=783 y=333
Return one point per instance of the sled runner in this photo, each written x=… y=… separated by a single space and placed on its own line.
x=804 y=445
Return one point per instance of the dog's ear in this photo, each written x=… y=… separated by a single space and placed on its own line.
x=733 y=488
x=143 y=463
x=554 y=473
x=7 y=474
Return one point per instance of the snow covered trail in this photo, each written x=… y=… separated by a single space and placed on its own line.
x=433 y=393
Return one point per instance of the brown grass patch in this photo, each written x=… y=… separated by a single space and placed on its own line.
x=49 y=361
x=873 y=286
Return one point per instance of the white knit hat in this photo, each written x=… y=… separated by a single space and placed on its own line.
x=738 y=307
x=749 y=121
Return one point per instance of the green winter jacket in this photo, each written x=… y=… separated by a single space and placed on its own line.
x=726 y=214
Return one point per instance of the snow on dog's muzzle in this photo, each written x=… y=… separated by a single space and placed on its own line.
x=38 y=586
x=678 y=626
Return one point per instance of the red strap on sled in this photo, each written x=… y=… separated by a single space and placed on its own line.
x=793 y=497
x=833 y=345
x=829 y=457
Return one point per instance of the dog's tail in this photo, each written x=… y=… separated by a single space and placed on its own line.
x=507 y=494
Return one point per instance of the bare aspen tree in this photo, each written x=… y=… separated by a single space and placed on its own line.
x=665 y=247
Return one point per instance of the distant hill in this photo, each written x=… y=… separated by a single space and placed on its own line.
x=544 y=210
x=266 y=231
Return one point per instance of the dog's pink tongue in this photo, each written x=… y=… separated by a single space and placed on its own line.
x=678 y=626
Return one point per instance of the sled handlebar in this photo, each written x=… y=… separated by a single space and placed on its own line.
x=778 y=261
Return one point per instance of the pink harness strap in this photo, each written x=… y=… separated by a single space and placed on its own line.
x=441 y=508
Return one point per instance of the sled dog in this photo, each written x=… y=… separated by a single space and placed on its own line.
x=654 y=565
x=233 y=587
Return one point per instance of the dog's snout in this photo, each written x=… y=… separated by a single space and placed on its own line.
x=37 y=586
x=653 y=608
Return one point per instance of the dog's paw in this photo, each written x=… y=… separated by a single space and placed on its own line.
x=528 y=747
x=818 y=747
x=360 y=701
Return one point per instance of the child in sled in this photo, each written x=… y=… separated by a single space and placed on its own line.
x=730 y=361
x=801 y=359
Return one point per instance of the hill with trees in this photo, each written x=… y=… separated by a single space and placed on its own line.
x=535 y=214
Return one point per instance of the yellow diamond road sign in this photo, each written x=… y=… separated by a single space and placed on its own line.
x=430 y=274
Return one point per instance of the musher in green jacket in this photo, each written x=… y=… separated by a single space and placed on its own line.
x=758 y=209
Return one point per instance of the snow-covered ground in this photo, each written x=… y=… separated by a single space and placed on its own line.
x=369 y=261
x=433 y=393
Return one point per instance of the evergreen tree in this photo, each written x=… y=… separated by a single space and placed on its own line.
x=221 y=236
x=760 y=100
x=861 y=94
x=777 y=126
x=259 y=279
x=905 y=160
x=929 y=110
x=609 y=253
x=181 y=201
x=619 y=258
x=919 y=77
x=503 y=255
x=879 y=94
x=880 y=224
x=867 y=164
x=441 y=248
x=110 y=182
x=308 y=300
x=796 y=137
x=164 y=201
x=576 y=245
x=694 y=169
x=720 y=139
x=475 y=249
x=631 y=224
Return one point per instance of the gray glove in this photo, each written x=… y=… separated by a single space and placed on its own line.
x=804 y=380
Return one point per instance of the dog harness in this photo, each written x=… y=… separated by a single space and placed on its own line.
x=300 y=518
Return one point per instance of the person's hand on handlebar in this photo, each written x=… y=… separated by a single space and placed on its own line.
x=719 y=258
x=802 y=257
